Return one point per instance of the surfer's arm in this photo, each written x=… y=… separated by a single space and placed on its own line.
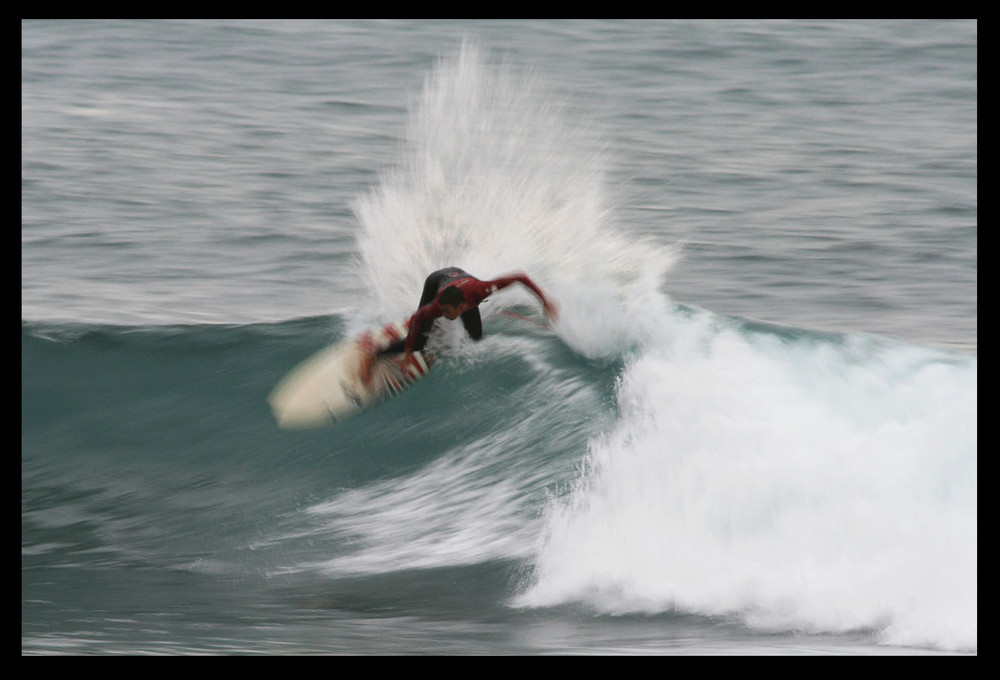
x=419 y=324
x=551 y=309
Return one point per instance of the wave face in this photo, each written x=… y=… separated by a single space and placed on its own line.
x=795 y=481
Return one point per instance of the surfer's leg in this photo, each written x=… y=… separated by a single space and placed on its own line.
x=397 y=347
x=370 y=354
x=433 y=283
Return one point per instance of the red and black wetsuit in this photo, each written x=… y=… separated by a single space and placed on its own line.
x=475 y=291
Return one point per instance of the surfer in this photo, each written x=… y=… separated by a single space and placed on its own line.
x=451 y=293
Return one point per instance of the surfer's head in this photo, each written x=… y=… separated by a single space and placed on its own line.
x=452 y=302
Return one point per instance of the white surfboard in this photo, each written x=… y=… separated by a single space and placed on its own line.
x=326 y=387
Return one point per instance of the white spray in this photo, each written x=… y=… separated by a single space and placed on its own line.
x=802 y=483
x=494 y=176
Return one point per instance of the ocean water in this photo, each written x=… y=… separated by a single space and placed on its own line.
x=752 y=431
